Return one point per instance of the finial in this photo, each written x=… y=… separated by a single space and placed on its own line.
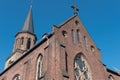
x=75 y=9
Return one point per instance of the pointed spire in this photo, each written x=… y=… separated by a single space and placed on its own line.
x=28 y=24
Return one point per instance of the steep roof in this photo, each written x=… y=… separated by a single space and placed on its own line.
x=28 y=24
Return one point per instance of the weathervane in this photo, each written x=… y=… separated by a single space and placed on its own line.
x=75 y=9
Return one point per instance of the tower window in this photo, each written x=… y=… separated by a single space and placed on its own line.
x=22 y=40
x=72 y=35
x=78 y=35
x=28 y=43
x=39 y=67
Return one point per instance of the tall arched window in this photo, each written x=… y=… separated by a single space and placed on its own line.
x=81 y=69
x=16 y=77
x=39 y=67
x=110 y=77
x=78 y=35
x=73 y=36
x=28 y=43
x=85 y=42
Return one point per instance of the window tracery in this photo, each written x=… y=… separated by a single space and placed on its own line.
x=81 y=69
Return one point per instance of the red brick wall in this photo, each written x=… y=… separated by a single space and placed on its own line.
x=54 y=54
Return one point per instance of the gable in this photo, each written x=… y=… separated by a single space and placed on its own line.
x=73 y=27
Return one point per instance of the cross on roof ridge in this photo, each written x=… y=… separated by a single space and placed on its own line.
x=75 y=9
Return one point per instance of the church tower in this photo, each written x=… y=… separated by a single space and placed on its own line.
x=24 y=40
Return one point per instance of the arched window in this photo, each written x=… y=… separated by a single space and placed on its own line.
x=85 y=42
x=110 y=77
x=73 y=36
x=28 y=43
x=16 y=77
x=78 y=35
x=39 y=67
x=81 y=69
x=22 y=40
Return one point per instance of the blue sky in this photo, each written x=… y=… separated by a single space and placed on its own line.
x=100 y=17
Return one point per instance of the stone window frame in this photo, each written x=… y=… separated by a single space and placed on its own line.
x=28 y=43
x=39 y=73
x=81 y=72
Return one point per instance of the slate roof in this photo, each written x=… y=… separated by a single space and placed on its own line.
x=28 y=24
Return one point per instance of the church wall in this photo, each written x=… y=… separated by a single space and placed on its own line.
x=72 y=49
x=12 y=59
x=26 y=67
x=26 y=36
x=114 y=75
x=59 y=52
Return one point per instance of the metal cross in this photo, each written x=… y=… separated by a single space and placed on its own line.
x=75 y=9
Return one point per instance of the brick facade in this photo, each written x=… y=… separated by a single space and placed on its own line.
x=59 y=52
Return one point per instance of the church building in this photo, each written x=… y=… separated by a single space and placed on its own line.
x=67 y=53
